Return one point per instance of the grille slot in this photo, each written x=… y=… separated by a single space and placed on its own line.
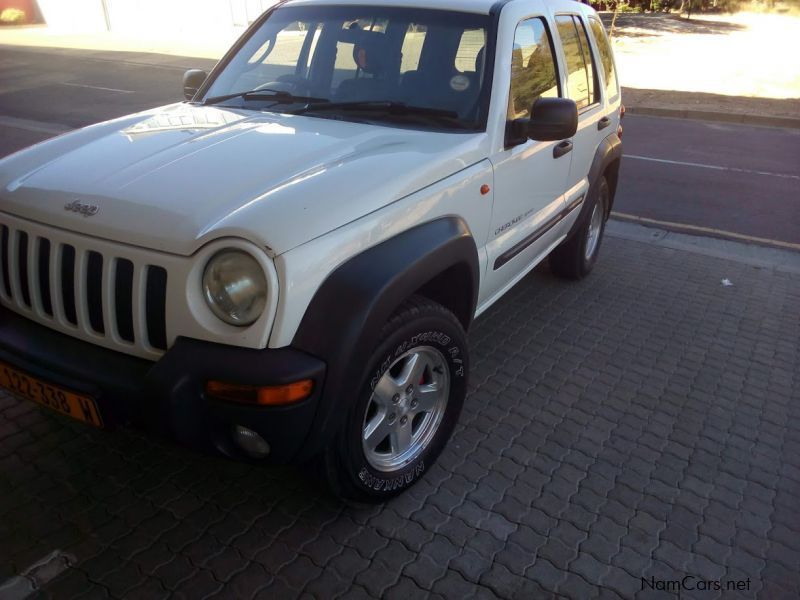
x=44 y=276
x=94 y=291
x=22 y=268
x=123 y=296
x=6 y=258
x=156 y=306
x=114 y=296
x=68 y=283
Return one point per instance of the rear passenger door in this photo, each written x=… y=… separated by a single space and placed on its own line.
x=583 y=86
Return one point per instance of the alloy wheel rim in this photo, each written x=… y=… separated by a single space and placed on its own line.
x=405 y=408
x=593 y=233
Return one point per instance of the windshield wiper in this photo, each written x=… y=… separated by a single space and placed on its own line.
x=264 y=94
x=380 y=106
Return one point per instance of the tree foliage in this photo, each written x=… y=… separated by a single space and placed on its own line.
x=691 y=6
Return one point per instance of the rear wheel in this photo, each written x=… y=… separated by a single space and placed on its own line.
x=574 y=258
x=406 y=406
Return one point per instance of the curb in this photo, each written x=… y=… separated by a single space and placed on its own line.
x=781 y=260
x=704 y=115
x=709 y=232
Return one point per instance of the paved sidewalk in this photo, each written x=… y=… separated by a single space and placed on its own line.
x=643 y=423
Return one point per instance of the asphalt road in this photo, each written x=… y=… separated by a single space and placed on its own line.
x=710 y=178
x=722 y=178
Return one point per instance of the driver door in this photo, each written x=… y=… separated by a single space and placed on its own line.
x=530 y=176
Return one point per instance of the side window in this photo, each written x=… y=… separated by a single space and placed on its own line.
x=315 y=38
x=533 y=68
x=580 y=68
x=472 y=42
x=412 y=47
x=277 y=56
x=588 y=60
x=606 y=57
x=345 y=66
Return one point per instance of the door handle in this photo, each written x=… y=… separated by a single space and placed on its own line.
x=603 y=123
x=563 y=148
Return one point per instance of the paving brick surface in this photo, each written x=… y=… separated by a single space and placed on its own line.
x=642 y=423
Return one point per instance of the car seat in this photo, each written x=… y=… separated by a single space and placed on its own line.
x=448 y=88
x=371 y=56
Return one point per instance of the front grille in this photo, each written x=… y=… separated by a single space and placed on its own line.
x=83 y=290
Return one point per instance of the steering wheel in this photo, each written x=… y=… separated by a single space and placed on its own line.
x=293 y=84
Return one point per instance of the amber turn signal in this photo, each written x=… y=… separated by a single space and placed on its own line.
x=268 y=395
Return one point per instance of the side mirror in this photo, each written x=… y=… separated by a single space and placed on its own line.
x=192 y=80
x=552 y=119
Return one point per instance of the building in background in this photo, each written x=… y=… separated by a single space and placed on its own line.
x=181 y=18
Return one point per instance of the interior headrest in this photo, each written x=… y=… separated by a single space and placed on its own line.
x=371 y=53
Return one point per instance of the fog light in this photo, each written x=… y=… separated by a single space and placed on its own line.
x=250 y=442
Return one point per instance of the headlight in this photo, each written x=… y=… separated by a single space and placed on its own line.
x=235 y=287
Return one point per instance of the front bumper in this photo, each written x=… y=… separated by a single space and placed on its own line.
x=167 y=397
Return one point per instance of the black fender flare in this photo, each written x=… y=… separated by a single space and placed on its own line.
x=609 y=150
x=344 y=318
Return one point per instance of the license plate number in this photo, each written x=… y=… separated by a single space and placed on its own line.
x=77 y=406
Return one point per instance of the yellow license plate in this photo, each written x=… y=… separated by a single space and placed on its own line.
x=60 y=400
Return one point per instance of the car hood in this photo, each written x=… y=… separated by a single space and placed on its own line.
x=173 y=178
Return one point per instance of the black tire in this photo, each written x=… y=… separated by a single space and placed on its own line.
x=569 y=259
x=418 y=323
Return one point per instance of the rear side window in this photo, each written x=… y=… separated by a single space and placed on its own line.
x=472 y=42
x=412 y=47
x=345 y=66
x=533 y=68
x=581 y=73
x=606 y=58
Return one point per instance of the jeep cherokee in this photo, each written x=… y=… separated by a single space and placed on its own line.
x=283 y=266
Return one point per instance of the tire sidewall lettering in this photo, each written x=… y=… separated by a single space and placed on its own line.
x=383 y=484
x=439 y=337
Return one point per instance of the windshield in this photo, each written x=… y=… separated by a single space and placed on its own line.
x=364 y=61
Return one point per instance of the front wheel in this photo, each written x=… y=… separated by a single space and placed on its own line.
x=406 y=407
x=575 y=256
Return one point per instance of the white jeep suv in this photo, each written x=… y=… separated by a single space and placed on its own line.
x=283 y=267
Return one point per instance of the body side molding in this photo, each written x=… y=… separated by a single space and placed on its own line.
x=530 y=239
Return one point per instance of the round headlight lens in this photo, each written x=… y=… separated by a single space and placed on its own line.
x=235 y=287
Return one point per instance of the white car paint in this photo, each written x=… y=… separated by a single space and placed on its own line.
x=175 y=178
x=302 y=194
